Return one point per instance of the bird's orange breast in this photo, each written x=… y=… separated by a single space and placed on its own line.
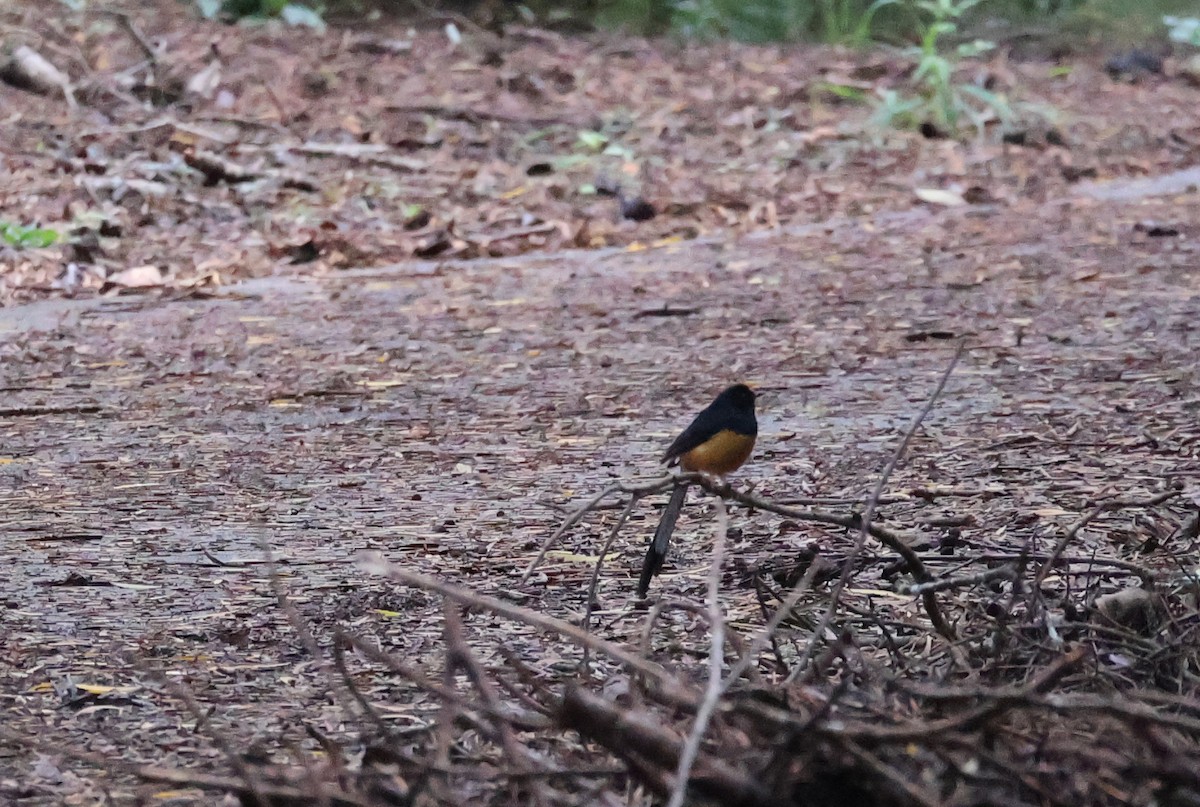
x=720 y=454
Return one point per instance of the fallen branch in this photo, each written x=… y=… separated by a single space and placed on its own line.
x=370 y=153
x=995 y=702
x=946 y=583
x=595 y=581
x=477 y=116
x=889 y=773
x=216 y=168
x=671 y=688
x=271 y=794
x=632 y=734
x=1087 y=518
x=148 y=50
x=461 y=656
x=250 y=784
x=635 y=490
x=29 y=70
x=1141 y=572
x=525 y=722
x=368 y=709
x=767 y=635
x=699 y=609
x=915 y=567
x=896 y=541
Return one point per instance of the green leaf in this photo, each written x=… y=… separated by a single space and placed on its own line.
x=536 y=136
x=993 y=101
x=208 y=9
x=969 y=50
x=23 y=237
x=294 y=14
x=842 y=91
x=896 y=111
x=932 y=69
x=593 y=141
x=1183 y=29
x=617 y=150
x=862 y=32
x=568 y=161
x=963 y=6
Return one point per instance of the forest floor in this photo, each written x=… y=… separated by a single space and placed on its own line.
x=415 y=330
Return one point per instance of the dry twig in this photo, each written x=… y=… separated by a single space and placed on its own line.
x=917 y=570
x=461 y=656
x=670 y=688
x=947 y=583
x=767 y=634
x=716 y=658
x=634 y=489
x=595 y=581
x=1087 y=518
x=637 y=739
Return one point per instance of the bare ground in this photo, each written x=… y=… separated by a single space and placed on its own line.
x=447 y=414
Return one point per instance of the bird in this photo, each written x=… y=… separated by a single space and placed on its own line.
x=717 y=442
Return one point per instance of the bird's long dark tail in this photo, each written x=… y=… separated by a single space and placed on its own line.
x=662 y=538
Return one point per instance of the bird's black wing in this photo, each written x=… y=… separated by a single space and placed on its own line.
x=710 y=421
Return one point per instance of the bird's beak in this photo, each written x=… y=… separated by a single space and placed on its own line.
x=764 y=393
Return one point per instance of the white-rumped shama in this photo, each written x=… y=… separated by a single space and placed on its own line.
x=717 y=442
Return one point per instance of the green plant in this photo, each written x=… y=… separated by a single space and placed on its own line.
x=291 y=13
x=1183 y=29
x=1047 y=8
x=21 y=237
x=939 y=101
x=754 y=21
x=847 y=22
x=841 y=92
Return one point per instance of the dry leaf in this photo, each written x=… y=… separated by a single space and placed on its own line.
x=137 y=277
x=942 y=198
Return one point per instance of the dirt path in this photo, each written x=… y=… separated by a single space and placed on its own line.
x=441 y=413
x=447 y=413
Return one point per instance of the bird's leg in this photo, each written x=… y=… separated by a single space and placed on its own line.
x=722 y=485
x=719 y=482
